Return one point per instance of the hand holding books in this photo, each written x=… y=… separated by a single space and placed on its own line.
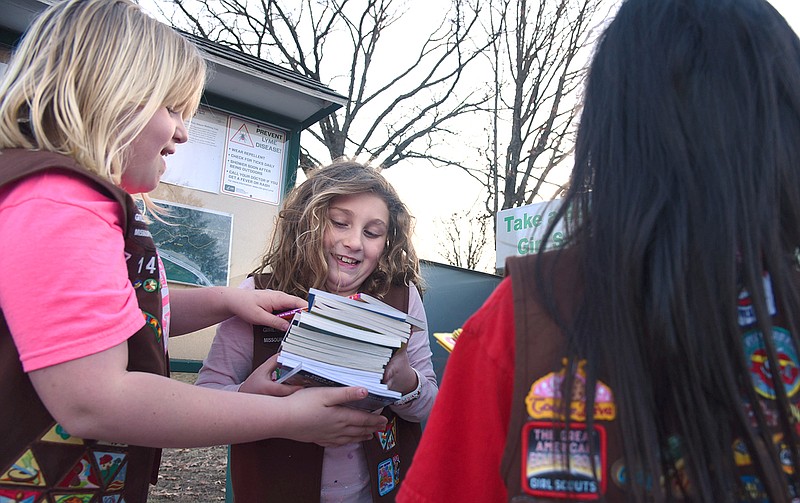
x=348 y=341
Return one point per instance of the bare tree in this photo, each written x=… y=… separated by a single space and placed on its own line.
x=538 y=67
x=405 y=112
x=464 y=239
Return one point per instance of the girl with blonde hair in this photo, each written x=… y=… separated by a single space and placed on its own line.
x=93 y=101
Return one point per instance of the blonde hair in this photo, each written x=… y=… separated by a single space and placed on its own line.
x=296 y=256
x=87 y=78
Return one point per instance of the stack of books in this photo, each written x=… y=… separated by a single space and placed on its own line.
x=345 y=341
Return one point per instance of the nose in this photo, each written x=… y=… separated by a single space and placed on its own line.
x=181 y=135
x=351 y=238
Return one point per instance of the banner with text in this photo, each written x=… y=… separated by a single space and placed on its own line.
x=520 y=230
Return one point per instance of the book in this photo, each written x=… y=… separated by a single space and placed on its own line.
x=355 y=316
x=313 y=321
x=292 y=371
x=344 y=341
x=447 y=339
x=368 y=303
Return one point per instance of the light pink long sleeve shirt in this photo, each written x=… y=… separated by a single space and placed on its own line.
x=345 y=476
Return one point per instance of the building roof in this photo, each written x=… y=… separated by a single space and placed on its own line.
x=233 y=75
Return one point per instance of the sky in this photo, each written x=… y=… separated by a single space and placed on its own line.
x=433 y=194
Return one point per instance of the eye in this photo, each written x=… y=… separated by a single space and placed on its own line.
x=173 y=111
x=373 y=234
x=339 y=224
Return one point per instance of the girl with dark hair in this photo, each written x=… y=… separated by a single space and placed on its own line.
x=655 y=358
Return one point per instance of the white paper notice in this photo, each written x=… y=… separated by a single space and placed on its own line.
x=253 y=163
x=197 y=164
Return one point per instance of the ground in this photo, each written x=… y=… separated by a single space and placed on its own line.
x=190 y=475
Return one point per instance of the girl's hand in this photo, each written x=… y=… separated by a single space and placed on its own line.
x=261 y=382
x=197 y=308
x=318 y=417
x=256 y=306
x=398 y=374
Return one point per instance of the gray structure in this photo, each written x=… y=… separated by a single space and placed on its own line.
x=451 y=295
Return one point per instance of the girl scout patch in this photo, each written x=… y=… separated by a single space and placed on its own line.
x=563 y=463
x=155 y=325
x=544 y=398
x=746 y=311
x=387 y=436
x=788 y=364
x=387 y=476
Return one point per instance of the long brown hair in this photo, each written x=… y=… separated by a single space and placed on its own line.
x=295 y=256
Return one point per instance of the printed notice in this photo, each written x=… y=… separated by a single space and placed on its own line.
x=253 y=163
x=197 y=164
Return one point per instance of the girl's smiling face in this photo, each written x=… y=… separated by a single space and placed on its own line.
x=354 y=240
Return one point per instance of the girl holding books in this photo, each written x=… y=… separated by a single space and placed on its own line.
x=344 y=230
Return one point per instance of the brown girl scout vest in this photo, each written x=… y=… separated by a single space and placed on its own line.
x=533 y=466
x=39 y=461
x=277 y=470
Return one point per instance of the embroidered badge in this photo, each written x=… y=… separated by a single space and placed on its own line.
x=673 y=454
x=109 y=463
x=387 y=478
x=784 y=453
x=788 y=365
x=396 y=463
x=740 y=455
x=155 y=325
x=73 y=498
x=118 y=483
x=81 y=476
x=745 y=309
x=150 y=285
x=557 y=463
x=19 y=496
x=25 y=471
x=387 y=437
x=57 y=434
x=754 y=489
x=544 y=398
x=619 y=475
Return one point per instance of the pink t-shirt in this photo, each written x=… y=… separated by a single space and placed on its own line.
x=65 y=291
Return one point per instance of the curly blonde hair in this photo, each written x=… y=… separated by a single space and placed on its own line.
x=296 y=258
x=89 y=75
